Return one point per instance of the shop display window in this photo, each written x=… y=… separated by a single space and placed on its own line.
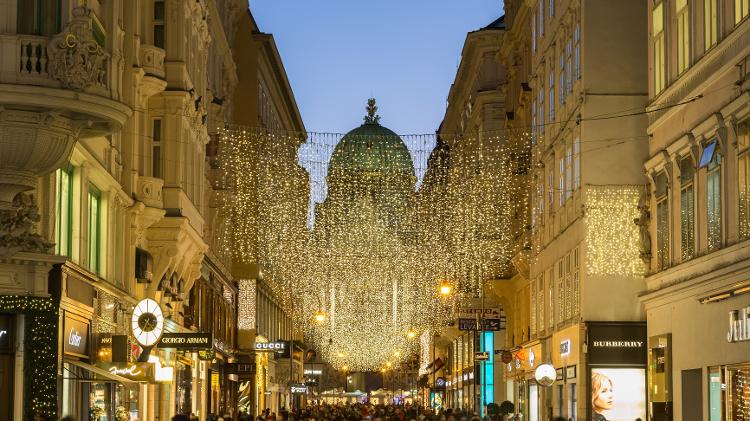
x=738 y=391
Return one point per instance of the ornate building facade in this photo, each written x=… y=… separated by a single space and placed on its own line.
x=108 y=120
x=696 y=289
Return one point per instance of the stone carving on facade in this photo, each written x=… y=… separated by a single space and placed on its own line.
x=18 y=226
x=643 y=222
x=76 y=60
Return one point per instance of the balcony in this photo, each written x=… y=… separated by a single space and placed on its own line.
x=152 y=61
x=53 y=91
x=149 y=191
x=69 y=73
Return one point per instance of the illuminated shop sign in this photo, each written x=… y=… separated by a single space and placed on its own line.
x=185 y=341
x=623 y=343
x=565 y=348
x=739 y=325
x=299 y=389
x=313 y=372
x=137 y=372
x=270 y=346
x=75 y=336
x=617 y=371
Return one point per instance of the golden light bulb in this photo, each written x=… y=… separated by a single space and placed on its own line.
x=445 y=288
x=340 y=355
x=345 y=367
x=388 y=364
x=397 y=353
x=320 y=316
x=411 y=334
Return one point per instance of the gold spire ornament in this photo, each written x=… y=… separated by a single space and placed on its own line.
x=372 y=109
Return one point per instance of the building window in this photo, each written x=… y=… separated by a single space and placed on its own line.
x=533 y=310
x=551 y=191
x=569 y=66
x=743 y=167
x=550 y=288
x=540 y=302
x=156 y=148
x=64 y=214
x=551 y=91
x=660 y=65
x=569 y=171
x=541 y=18
x=687 y=209
x=159 y=23
x=577 y=163
x=711 y=158
x=568 y=288
x=683 y=35
x=577 y=51
x=533 y=122
x=561 y=87
x=39 y=17
x=741 y=8
x=576 y=282
x=711 y=22
x=541 y=111
x=533 y=32
x=551 y=8
x=94 y=218
x=561 y=181
x=662 y=222
x=561 y=293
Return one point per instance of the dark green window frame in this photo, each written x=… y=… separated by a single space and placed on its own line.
x=39 y=17
x=95 y=232
x=64 y=214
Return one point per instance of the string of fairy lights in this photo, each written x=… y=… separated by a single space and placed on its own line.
x=355 y=232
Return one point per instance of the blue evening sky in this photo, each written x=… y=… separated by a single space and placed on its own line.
x=338 y=53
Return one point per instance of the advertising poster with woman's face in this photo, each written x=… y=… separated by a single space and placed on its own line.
x=618 y=394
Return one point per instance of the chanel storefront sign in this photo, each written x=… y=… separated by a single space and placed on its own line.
x=739 y=325
x=279 y=346
x=185 y=341
x=75 y=336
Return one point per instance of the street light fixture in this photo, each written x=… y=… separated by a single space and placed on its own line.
x=320 y=316
x=445 y=288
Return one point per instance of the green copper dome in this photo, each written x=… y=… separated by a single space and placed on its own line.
x=371 y=149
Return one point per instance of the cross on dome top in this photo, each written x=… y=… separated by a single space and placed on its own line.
x=371 y=117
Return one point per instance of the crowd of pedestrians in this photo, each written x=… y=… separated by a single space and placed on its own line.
x=361 y=411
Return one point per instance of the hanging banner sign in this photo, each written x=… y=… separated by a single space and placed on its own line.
x=197 y=340
x=487 y=324
x=75 y=337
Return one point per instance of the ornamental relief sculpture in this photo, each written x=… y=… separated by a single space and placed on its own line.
x=76 y=60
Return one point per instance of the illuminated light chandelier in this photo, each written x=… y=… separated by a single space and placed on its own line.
x=370 y=237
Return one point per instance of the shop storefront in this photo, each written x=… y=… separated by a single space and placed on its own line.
x=519 y=376
x=7 y=364
x=617 y=371
x=702 y=364
x=566 y=350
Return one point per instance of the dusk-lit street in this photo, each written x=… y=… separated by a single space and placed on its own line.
x=445 y=210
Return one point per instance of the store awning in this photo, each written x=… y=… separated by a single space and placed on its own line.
x=105 y=376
